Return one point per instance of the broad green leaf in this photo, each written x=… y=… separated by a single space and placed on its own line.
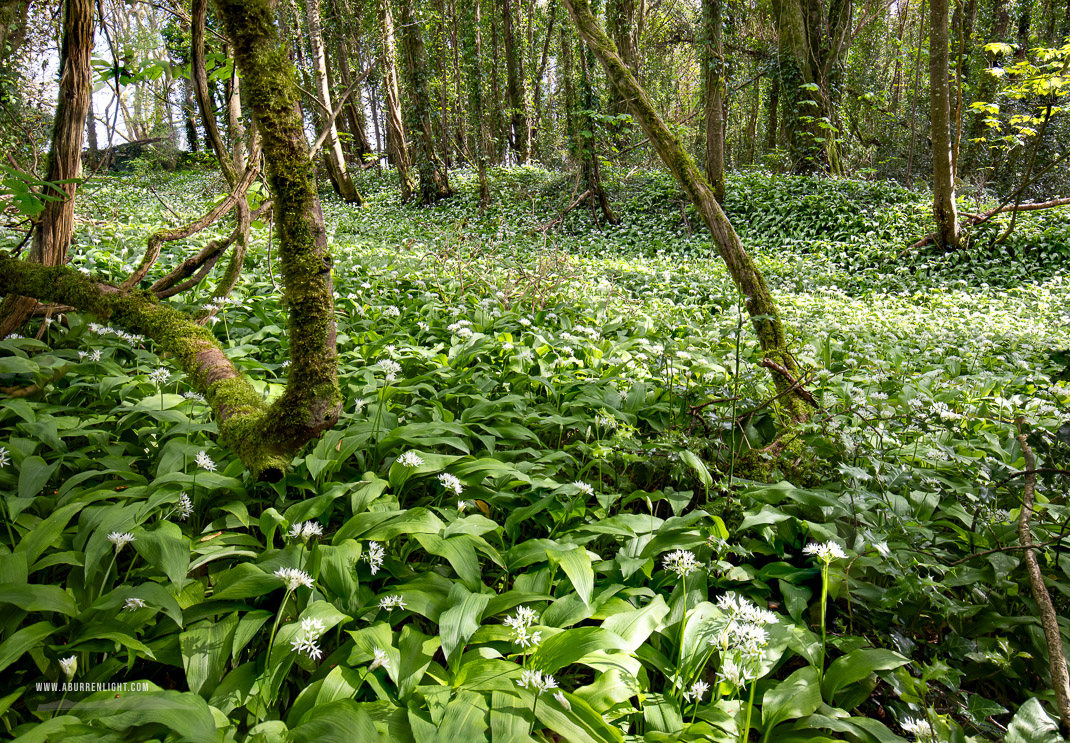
x=856 y=666
x=576 y=563
x=341 y=720
x=572 y=645
x=182 y=713
x=12 y=648
x=37 y=597
x=457 y=623
x=1032 y=724
x=166 y=548
x=796 y=696
x=460 y=554
x=385 y=525
x=206 y=650
x=34 y=474
x=465 y=719
x=244 y=580
x=579 y=723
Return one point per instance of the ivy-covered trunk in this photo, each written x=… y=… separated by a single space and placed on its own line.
x=434 y=182
x=748 y=279
x=517 y=84
x=713 y=68
x=55 y=226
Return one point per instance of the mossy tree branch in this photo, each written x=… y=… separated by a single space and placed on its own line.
x=748 y=279
x=239 y=410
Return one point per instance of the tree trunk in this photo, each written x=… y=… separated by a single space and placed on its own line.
x=944 y=209
x=198 y=15
x=395 y=129
x=189 y=115
x=514 y=68
x=349 y=47
x=536 y=129
x=750 y=282
x=52 y=236
x=13 y=27
x=332 y=146
x=772 y=128
x=473 y=56
x=91 y=132
x=497 y=114
x=714 y=79
x=434 y=182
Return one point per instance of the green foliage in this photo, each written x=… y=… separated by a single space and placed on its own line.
x=522 y=440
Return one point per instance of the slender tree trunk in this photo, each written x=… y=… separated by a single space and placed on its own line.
x=395 y=129
x=917 y=84
x=772 y=127
x=198 y=14
x=91 y=131
x=747 y=277
x=434 y=182
x=551 y=14
x=349 y=47
x=52 y=236
x=343 y=183
x=189 y=114
x=514 y=68
x=714 y=77
x=944 y=209
x=497 y=113
x=473 y=56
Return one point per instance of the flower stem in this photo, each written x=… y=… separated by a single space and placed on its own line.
x=750 y=708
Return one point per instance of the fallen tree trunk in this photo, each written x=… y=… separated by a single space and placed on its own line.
x=763 y=311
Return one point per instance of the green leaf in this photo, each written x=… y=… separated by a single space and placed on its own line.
x=206 y=650
x=384 y=525
x=245 y=580
x=465 y=719
x=856 y=666
x=458 y=623
x=182 y=713
x=634 y=627
x=572 y=646
x=17 y=365
x=577 y=566
x=796 y=696
x=342 y=719
x=34 y=474
x=36 y=597
x=580 y=724
x=165 y=548
x=1032 y=724
x=13 y=647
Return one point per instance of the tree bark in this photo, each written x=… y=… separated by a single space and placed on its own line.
x=55 y=229
x=332 y=147
x=473 y=55
x=198 y=17
x=714 y=79
x=395 y=129
x=517 y=88
x=434 y=181
x=748 y=279
x=944 y=208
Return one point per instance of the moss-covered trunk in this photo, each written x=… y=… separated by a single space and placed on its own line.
x=472 y=44
x=395 y=128
x=749 y=280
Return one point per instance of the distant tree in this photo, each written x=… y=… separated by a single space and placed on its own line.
x=944 y=209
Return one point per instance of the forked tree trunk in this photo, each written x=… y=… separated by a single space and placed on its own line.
x=944 y=209
x=750 y=282
x=332 y=147
x=52 y=237
x=395 y=129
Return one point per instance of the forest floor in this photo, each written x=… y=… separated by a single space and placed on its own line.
x=553 y=385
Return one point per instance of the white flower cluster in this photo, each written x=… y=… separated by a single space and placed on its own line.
x=120 y=539
x=742 y=637
x=133 y=603
x=681 y=562
x=451 y=482
x=205 y=462
x=697 y=691
x=159 y=376
x=380 y=659
x=410 y=459
x=521 y=625
x=826 y=552
x=184 y=509
x=306 y=640
x=920 y=729
x=389 y=603
x=305 y=530
x=375 y=556
x=536 y=681
x=294 y=578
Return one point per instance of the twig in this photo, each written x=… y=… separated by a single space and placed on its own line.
x=796 y=385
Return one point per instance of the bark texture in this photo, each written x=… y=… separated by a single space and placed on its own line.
x=944 y=209
x=395 y=128
x=713 y=64
x=332 y=147
x=516 y=83
x=434 y=182
x=750 y=282
x=55 y=228
x=473 y=54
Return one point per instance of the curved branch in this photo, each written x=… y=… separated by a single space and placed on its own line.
x=157 y=239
